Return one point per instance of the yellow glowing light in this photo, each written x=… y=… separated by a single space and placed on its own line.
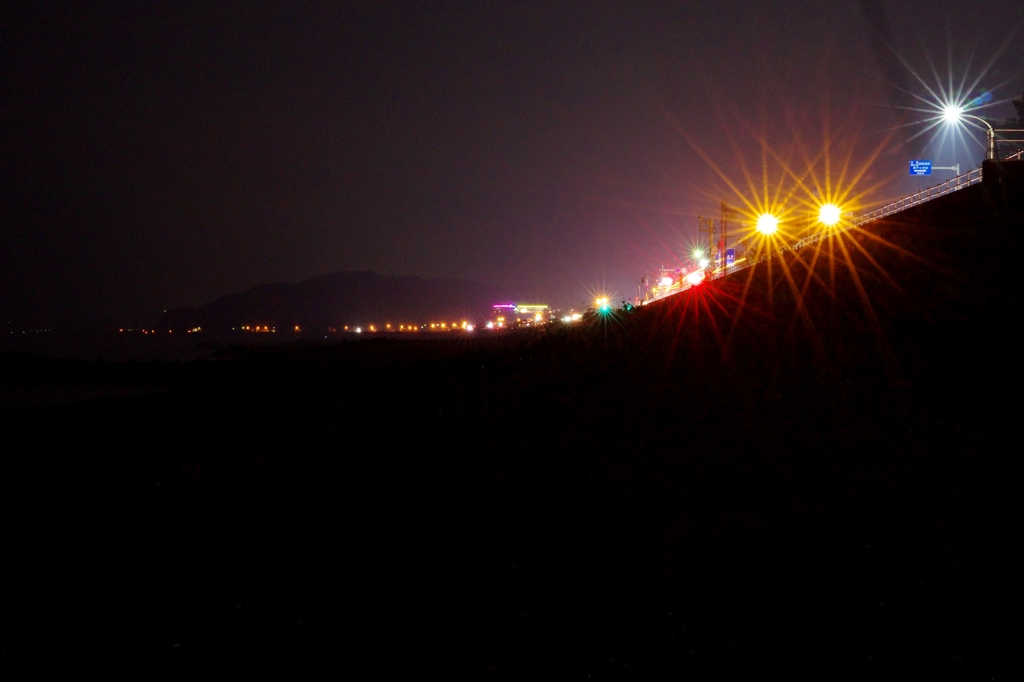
x=767 y=223
x=829 y=214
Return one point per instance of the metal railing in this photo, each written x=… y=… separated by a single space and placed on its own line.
x=967 y=179
x=1009 y=137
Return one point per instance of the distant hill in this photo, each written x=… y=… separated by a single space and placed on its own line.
x=342 y=298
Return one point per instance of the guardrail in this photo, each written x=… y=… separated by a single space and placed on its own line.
x=967 y=179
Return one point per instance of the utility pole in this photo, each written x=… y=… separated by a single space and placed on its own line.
x=727 y=214
x=710 y=229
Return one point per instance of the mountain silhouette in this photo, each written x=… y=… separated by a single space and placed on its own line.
x=342 y=298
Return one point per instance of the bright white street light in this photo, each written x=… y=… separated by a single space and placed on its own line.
x=954 y=114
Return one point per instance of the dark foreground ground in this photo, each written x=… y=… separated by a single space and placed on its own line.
x=812 y=468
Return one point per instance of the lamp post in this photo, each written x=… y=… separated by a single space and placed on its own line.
x=727 y=214
x=954 y=114
x=710 y=230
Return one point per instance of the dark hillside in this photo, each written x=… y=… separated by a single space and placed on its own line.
x=352 y=298
x=808 y=465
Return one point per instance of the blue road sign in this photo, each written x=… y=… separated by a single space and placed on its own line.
x=730 y=256
x=921 y=167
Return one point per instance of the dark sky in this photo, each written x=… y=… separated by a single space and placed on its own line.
x=162 y=154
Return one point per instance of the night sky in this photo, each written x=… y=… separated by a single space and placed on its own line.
x=162 y=154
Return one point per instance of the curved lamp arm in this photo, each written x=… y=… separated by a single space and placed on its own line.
x=991 y=154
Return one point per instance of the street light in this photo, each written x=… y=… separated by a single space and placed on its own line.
x=829 y=214
x=953 y=114
x=767 y=223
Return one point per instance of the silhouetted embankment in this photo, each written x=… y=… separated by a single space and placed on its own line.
x=808 y=465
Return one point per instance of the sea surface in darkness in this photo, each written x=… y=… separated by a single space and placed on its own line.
x=120 y=346
x=112 y=346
